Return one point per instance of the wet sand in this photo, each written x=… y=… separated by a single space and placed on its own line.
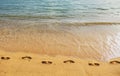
x=33 y=48
x=98 y=41
x=16 y=66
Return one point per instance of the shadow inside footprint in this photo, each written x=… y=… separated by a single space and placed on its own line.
x=46 y=62
x=114 y=62
x=5 y=58
x=90 y=64
x=93 y=64
x=96 y=64
x=68 y=61
x=26 y=58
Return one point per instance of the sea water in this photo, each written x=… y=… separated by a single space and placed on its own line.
x=73 y=10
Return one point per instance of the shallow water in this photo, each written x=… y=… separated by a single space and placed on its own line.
x=99 y=42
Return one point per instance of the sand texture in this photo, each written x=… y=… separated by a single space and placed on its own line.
x=98 y=41
x=25 y=64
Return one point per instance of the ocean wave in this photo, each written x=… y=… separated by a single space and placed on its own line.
x=58 y=22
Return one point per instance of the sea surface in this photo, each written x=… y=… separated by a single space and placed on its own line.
x=65 y=10
x=88 y=29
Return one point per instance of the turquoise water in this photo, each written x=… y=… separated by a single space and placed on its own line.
x=74 y=10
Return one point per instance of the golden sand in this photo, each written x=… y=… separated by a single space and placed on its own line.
x=16 y=66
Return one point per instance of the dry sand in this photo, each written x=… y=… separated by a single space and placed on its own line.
x=16 y=66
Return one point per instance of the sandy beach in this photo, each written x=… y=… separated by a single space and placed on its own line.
x=16 y=66
x=29 y=48
x=59 y=37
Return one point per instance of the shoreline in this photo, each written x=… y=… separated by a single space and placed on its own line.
x=68 y=39
x=60 y=22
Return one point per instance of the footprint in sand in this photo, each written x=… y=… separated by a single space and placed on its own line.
x=68 y=61
x=93 y=64
x=115 y=62
x=46 y=62
x=27 y=58
x=5 y=58
x=90 y=64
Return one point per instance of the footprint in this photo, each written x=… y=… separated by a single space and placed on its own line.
x=5 y=58
x=68 y=61
x=46 y=62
